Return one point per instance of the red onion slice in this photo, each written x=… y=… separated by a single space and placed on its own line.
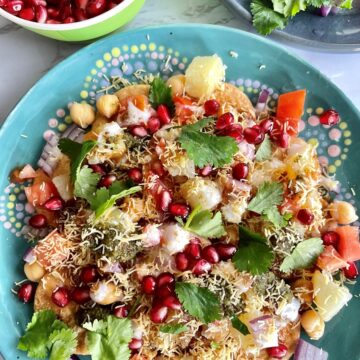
x=265 y=331
x=325 y=10
x=262 y=101
x=29 y=256
x=306 y=351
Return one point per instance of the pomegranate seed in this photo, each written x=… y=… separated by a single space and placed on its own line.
x=224 y=121
x=210 y=254
x=95 y=7
x=351 y=271
x=158 y=314
x=330 y=238
x=205 y=171
x=172 y=302
x=164 y=291
x=14 y=6
x=225 y=251
x=201 y=267
x=277 y=352
x=81 y=295
x=54 y=13
x=240 y=171
x=3 y=2
x=98 y=168
x=139 y=131
x=153 y=125
x=181 y=261
x=37 y=2
x=81 y=4
x=165 y=200
x=193 y=250
x=163 y=114
x=38 y=221
x=135 y=175
x=60 y=297
x=41 y=14
x=181 y=210
x=52 y=22
x=235 y=131
x=165 y=278
x=26 y=292
x=157 y=168
x=254 y=135
x=69 y=20
x=89 y=274
x=330 y=117
x=27 y=14
x=266 y=126
x=111 y=5
x=148 y=284
x=121 y=311
x=80 y=15
x=54 y=204
x=283 y=140
x=106 y=181
x=305 y=216
x=211 y=107
x=135 y=344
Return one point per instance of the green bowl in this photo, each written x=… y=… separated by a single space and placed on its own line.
x=83 y=30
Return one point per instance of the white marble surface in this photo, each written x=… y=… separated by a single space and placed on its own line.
x=25 y=56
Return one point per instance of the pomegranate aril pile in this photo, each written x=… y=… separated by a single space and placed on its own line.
x=57 y=12
x=60 y=297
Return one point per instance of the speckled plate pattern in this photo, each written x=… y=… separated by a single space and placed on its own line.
x=340 y=32
x=260 y=64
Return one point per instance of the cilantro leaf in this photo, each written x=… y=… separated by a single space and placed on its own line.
x=253 y=254
x=205 y=149
x=173 y=328
x=109 y=339
x=160 y=93
x=86 y=184
x=198 y=302
x=204 y=223
x=63 y=343
x=303 y=256
x=239 y=325
x=268 y=195
x=346 y=4
x=265 y=19
x=264 y=151
x=113 y=196
x=76 y=152
x=274 y=216
x=45 y=333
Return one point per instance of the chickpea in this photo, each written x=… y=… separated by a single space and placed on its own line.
x=34 y=271
x=134 y=207
x=303 y=290
x=82 y=114
x=104 y=293
x=177 y=84
x=343 y=212
x=108 y=105
x=313 y=324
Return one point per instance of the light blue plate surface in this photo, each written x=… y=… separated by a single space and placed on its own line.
x=260 y=63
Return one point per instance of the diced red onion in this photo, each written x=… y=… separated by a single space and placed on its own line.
x=112 y=268
x=74 y=133
x=31 y=233
x=306 y=351
x=325 y=10
x=29 y=256
x=262 y=101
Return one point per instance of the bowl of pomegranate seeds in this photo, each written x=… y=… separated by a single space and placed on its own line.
x=70 y=20
x=175 y=201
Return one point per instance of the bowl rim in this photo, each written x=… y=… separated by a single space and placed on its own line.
x=72 y=26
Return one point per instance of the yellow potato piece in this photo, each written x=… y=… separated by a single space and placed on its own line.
x=177 y=84
x=132 y=90
x=203 y=75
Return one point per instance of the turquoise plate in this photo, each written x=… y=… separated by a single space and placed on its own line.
x=260 y=64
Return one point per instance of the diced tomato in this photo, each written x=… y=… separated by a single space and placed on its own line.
x=349 y=245
x=330 y=260
x=51 y=250
x=41 y=190
x=289 y=111
x=182 y=110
